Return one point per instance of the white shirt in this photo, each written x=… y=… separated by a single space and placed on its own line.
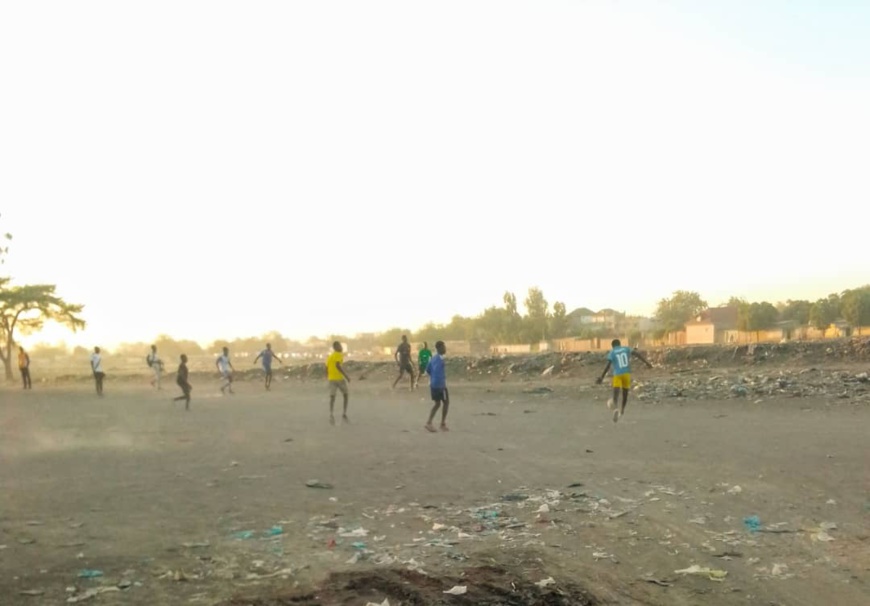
x=153 y=361
x=97 y=362
x=224 y=364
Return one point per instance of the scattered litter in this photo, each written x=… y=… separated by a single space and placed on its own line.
x=357 y=532
x=90 y=593
x=548 y=371
x=752 y=523
x=354 y=558
x=780 y=571
x=196 y=545
x=386 y=602
x=358 y=545
x=831 y=502
x=710 y=573
x=700 y=521
x=318 y=484
x=822 y=534
x=244 y=535
x=90 y=574
x=457 y=590
x=601 y=555
x=546 y=582
x=437 y=527
x=543 y=509
x=655 y=581
x=514 y=497
x=274 y=531
x=735 y=490
x=577 y=484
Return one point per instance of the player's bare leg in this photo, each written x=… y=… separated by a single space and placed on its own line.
x=399 y=378
x=344 y=418
x=429 y=426
x=444 y=408
x=332 y=410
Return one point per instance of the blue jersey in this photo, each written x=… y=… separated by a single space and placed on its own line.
x=266 y=355
x=620 y=359
x=437 y=373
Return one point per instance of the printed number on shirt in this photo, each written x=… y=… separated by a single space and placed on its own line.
x=622 y=358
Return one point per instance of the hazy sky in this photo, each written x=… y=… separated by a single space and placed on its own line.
x=215 y=169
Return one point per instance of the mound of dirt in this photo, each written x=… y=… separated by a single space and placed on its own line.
x=485 y=586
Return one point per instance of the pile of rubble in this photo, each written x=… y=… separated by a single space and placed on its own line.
x=809 y=382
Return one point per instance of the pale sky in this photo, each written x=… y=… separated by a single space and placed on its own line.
x=214 y=169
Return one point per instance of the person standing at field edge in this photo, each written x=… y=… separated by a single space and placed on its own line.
x=97 y=368
x=338 y=381
x=156 y=365
x=24 y=367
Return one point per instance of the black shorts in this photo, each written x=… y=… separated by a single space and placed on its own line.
x=406 y=367
x=440 y=394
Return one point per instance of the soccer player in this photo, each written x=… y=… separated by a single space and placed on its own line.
x=338 y=381
x=620 y=358
x=423 y=358
x=24 y=367
x=97 y=368
x=225 y=367
x=156 y=365
x=438 y=386
x=182 y=380
x=267 y=355
x=403 y=359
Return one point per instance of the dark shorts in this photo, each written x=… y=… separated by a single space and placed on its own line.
x=440 y=394
x=406 y=367
x=267 y=368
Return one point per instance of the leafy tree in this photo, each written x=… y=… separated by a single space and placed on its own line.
x=855 y=307
x=494 y=325
x=559 y=321
x=537 y=314
x=796 y=311
x=673 y=313
x=824 y=312
x=26 y=308
x=514 y=328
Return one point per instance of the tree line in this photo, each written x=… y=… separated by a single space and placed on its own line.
x=851 y=306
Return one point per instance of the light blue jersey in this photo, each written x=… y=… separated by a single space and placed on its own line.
x=620 y=359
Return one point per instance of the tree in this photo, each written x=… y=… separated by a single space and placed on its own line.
x=26 y=308
x=855 y=307
x=796 y=311
x=559 y=321
x=537 y=314
x=494 y=325
x=673 y=313
x=392 y=337
x=824 y=312
x=514 y=328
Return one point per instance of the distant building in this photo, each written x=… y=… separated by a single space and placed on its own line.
x=714 y=325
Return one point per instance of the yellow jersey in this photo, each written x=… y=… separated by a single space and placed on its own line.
x=332 y=362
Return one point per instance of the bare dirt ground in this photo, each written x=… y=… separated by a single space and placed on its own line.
x=211 y=506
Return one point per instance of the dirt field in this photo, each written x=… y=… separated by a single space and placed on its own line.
x=211 y=506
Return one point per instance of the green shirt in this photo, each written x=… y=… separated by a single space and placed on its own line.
x=424 y=357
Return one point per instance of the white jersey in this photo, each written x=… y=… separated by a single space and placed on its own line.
x=97 y=362
x=224 y=364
